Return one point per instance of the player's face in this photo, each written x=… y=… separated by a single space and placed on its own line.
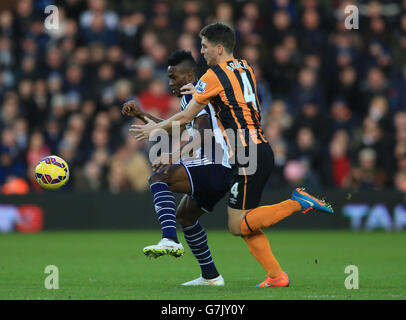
x=176 y=80
x=209 y=52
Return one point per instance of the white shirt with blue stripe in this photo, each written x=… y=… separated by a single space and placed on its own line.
x=218 y=135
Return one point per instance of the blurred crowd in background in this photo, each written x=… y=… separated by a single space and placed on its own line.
x=333 y=100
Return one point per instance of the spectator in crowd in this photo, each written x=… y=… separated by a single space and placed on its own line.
x=98 y=31
x=399 y=91
x=281 y=26
x=342 y=116
x=90 y=177
x=37 y=150
x=366 y=175
x=374 y=84
x=156 y=98
x=280 y=150
x=245 y=32
x=306 y=90
x=98 y=7
x=136 y=164
x=338 y=166
x=379 y=111
x=347 y=88
x=9 y=111
x=373 y=137
x=281 y=71
x=103 y=87
x=273 y=130
x=129 y=32
x=263 y=89
x=11 y=163
x=53 y=133
x=306 y=151
x=224 y=12
x=312 y=36
x=400 y=181
x=400 y=144
x=251 y=11
x=192 y=24
x=399 y=47
x=311 y=116
x=20 y=128
x=279 y=112
x=145 y=73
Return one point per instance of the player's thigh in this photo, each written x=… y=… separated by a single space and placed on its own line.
x=176 y=178
x=247 y=188
x=188 y=212
x=235 y=217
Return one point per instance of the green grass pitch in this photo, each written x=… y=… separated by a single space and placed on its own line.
x=111 y=265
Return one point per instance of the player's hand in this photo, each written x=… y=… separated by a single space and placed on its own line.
x=130 y=108
x=162 y=163
x=188 y=89
x=143 y=131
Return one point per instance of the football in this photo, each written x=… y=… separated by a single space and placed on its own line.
x=52 y=172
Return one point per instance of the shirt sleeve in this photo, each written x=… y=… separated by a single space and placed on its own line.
x=207 y=87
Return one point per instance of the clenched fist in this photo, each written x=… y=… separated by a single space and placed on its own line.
x=131 y=109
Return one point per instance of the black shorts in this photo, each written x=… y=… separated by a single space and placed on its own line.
x=209 y=182
x=247 y=187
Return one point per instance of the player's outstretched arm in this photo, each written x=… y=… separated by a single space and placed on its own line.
x=200 y=124
x=132 y=109
x=187 y=115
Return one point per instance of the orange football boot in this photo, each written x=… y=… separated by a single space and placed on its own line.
x=281 y=281
x=309 y=202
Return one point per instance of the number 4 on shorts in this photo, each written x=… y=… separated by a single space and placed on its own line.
x=234 y=190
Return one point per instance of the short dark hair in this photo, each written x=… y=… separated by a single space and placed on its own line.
x=219 y=33
x=180 y=56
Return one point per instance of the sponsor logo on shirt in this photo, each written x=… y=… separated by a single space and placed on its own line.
x=201 y=86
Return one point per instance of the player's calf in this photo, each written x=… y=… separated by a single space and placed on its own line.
x=188 y=212
x=185 y=219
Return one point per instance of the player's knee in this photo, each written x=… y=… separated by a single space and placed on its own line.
x=235 y=217
x=234 y=229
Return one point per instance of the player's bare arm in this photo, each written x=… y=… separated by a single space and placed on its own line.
x=200 y=124
x=143 y=132
x=132 y=109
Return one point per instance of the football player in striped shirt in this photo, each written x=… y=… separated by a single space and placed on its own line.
x=203 y=181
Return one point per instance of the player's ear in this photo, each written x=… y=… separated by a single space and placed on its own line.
x=190 y=76
x=220 y=49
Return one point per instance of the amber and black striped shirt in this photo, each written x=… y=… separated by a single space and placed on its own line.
x=231 y=89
